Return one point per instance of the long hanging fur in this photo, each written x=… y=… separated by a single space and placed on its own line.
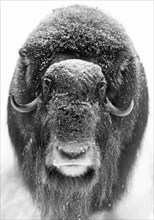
x=77 y=47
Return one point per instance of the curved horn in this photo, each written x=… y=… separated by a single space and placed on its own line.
x=26 y=107
x=118 y=112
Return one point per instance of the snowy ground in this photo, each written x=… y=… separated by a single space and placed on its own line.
x=18 y=19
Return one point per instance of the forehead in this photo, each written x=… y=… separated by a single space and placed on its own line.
x=75 y=73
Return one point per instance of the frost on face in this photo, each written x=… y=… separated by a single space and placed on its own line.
x=78 y=71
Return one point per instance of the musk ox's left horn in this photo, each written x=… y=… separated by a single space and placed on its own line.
x=26 y=107
x=118 y=112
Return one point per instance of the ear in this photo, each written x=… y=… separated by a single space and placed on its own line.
x=119 y=71
x=24 y=56
x=121 y=77
x=25 y=64
x=121 y=68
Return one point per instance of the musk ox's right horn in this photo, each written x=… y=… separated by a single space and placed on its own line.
x=25 y=108
x=116 y=111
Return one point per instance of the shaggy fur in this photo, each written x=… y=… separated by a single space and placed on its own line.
x=77 y=47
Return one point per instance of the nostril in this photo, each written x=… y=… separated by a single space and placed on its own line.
x=71 y=154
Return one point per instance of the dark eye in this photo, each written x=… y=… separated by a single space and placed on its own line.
x=101 y=90
x=47 y=88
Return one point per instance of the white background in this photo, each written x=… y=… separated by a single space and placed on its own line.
x=18 y=18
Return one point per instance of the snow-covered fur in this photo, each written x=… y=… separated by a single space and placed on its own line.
x=76 y=48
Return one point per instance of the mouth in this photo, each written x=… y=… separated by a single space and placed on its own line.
x=72 y=162
x=73 y=169
x=64 y=174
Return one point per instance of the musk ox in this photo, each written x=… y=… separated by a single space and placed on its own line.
x=77 y=112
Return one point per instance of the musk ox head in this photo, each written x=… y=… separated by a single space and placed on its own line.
x=77 y=111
